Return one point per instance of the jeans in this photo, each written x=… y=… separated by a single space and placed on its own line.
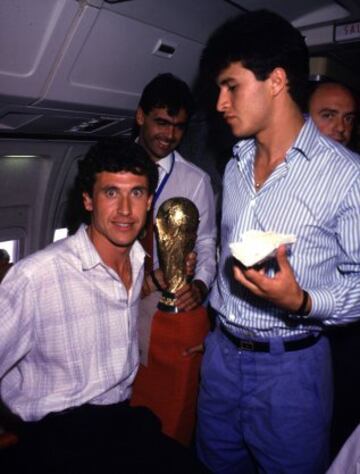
x=264 y=412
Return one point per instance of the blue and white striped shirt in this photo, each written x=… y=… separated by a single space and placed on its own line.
x=314 y=194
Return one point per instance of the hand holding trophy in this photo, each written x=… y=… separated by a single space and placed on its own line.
x=168 y=385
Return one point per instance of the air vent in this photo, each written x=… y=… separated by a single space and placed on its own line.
x=165 y=49
x=92 y=125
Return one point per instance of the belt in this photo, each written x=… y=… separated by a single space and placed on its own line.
x=263 y=346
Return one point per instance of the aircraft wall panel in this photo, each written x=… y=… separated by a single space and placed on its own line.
x=109 y=66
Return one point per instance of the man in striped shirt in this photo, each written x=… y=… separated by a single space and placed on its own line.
x=266 y=391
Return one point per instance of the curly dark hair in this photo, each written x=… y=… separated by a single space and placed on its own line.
x=261 y=40
x=115 y=157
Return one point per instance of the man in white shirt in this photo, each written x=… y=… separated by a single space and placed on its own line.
x=68 y=330
x=164 y=109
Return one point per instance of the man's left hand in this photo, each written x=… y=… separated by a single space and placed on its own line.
x=199 y=349
x=282 y=289
x=191 y=295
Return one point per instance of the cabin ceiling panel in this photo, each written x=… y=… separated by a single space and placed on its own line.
x=65 y=62
x=124 y=62
x=31 y=35
x=193 y=19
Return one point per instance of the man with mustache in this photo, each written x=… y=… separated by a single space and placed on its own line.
x=164 y=110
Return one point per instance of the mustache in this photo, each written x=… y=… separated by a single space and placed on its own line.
x=169 y=141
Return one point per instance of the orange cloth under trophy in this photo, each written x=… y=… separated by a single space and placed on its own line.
x=168 y=385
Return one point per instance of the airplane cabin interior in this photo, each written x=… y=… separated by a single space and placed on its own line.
x=72 y=71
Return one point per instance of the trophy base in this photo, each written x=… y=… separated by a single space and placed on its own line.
x=167 y=303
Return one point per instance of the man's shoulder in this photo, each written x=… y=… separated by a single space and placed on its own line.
x=188 y=167
x=42 y=261
x=341 y=156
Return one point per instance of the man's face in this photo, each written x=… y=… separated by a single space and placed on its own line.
x=244 y=101
x=333 y=110
x=118 y=209
x=160 y=133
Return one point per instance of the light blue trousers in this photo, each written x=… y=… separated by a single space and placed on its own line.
x=264 y=412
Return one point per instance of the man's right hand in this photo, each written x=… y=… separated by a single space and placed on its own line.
x=149 y=285
x=190 y=264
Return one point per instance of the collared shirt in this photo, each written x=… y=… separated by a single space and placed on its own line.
x=315 y=194
x=68 y=329
x=188 y=180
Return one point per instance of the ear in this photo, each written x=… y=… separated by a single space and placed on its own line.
x=149 y=202
x=278 y=80
x=88 y=202
x=140 y=116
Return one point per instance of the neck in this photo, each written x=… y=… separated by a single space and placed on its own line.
x=274 y=141
x=115 y=257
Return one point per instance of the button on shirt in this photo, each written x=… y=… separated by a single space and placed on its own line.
x=67 y=329
x=314 y=194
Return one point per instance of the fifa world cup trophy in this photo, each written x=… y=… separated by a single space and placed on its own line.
x=177 y=222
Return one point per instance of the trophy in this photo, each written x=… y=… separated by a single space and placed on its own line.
x=176 y=224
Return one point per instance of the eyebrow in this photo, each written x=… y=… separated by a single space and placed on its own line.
x=328 y=109
x=114 y=186
x=170 y=122
x=109 y=186
x=225 y=81
x=140 y=187
x=336 y=111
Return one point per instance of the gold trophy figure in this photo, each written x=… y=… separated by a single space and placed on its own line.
x=177 y=222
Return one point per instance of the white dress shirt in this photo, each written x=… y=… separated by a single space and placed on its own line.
x=68 y=329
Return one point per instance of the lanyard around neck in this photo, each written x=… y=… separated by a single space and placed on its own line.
x=164 y=180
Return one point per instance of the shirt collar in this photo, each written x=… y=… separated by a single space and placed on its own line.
x=165 y=163
x=306 y=142
x=89 y=256
x=87 y=253
x=243 y=147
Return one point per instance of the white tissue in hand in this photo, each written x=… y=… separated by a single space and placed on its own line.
x=256 y=246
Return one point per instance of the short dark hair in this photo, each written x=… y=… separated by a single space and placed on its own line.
x=116 y=157
x=261 y=40
x=167 y=91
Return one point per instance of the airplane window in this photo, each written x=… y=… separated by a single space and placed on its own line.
x=11 y=246
x=60 y=233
